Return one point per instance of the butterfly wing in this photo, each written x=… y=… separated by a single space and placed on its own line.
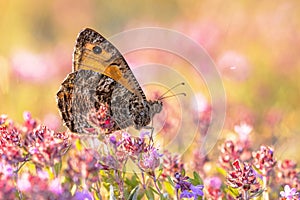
x=84 y=101
x=94 y=52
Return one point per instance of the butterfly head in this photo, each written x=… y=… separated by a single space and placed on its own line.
x=155 y=107
x=143 y=115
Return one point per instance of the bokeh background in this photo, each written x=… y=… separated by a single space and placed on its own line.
x=255 y=45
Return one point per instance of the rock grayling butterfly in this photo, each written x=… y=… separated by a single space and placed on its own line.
x=102 y=93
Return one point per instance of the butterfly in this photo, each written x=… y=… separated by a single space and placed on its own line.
x=101 y=94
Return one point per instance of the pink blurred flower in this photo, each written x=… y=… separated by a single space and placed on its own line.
x=243 y=130
x=8 y=189
x=23 y=182
x=84 y=166
x=55 y=186
x=213 y=188
x=52 y=121
x=287 y=173
x=207 y=33
x=29 y=122
x=234 y=66
x=230 y=151
x=202 y=113
x=41 y=187
x=33 y=67
x=172 y=163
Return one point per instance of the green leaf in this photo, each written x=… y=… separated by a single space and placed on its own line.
x=159 y=184
x=133 y=193
x=57 y=167
x=170 y=181
x=149 y=194
x=258 y=193
x=197 y=178
x=154 y=190
x=183 y=172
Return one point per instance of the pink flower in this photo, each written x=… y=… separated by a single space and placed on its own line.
x=234 y=66
x=172 y=163
x=213 y=187
x=55 y=186
x=230 y=152
x=23 y=183
x=264 y=160
x=243 y=130
x=243 y=177
x=52 y=121
x=33 y=67
x=288 y=192
x=287 y=173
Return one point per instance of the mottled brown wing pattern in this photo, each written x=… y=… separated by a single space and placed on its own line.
x=101 y=95
x=84 y=101
x=94 y=52
x=91 y=102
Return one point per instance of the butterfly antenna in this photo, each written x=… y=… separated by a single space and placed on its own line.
x=174 y=95
x=162 y=96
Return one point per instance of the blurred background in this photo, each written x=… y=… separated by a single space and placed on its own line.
x=255 y=47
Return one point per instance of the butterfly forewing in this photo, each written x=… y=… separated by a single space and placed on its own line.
x=94 y=52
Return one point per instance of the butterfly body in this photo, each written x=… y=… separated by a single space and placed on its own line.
x=102 y=93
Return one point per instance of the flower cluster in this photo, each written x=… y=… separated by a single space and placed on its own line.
x=40 y=186
x=39 y=163
x=172 y=163
x=229 y=153
x=264 y=160
x=243 y=177
x=287 y=173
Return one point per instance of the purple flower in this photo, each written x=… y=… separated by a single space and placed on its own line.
x=288 y=192
x=113 y=139
x=186 y=194
x=187 y=189
x=150 y=160
x=83 y=195
x=197 y=190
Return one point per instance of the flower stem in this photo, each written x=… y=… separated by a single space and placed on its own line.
x=177 y=195
x=155 y=183
x=143 y=180
x=265 y=187
x=245 y=194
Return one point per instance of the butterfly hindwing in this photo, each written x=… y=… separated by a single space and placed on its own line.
x=94 y=52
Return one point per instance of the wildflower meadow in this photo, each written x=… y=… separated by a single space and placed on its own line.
x=226 y=77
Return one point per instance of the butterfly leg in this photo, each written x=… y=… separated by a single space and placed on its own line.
x=151 y=133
